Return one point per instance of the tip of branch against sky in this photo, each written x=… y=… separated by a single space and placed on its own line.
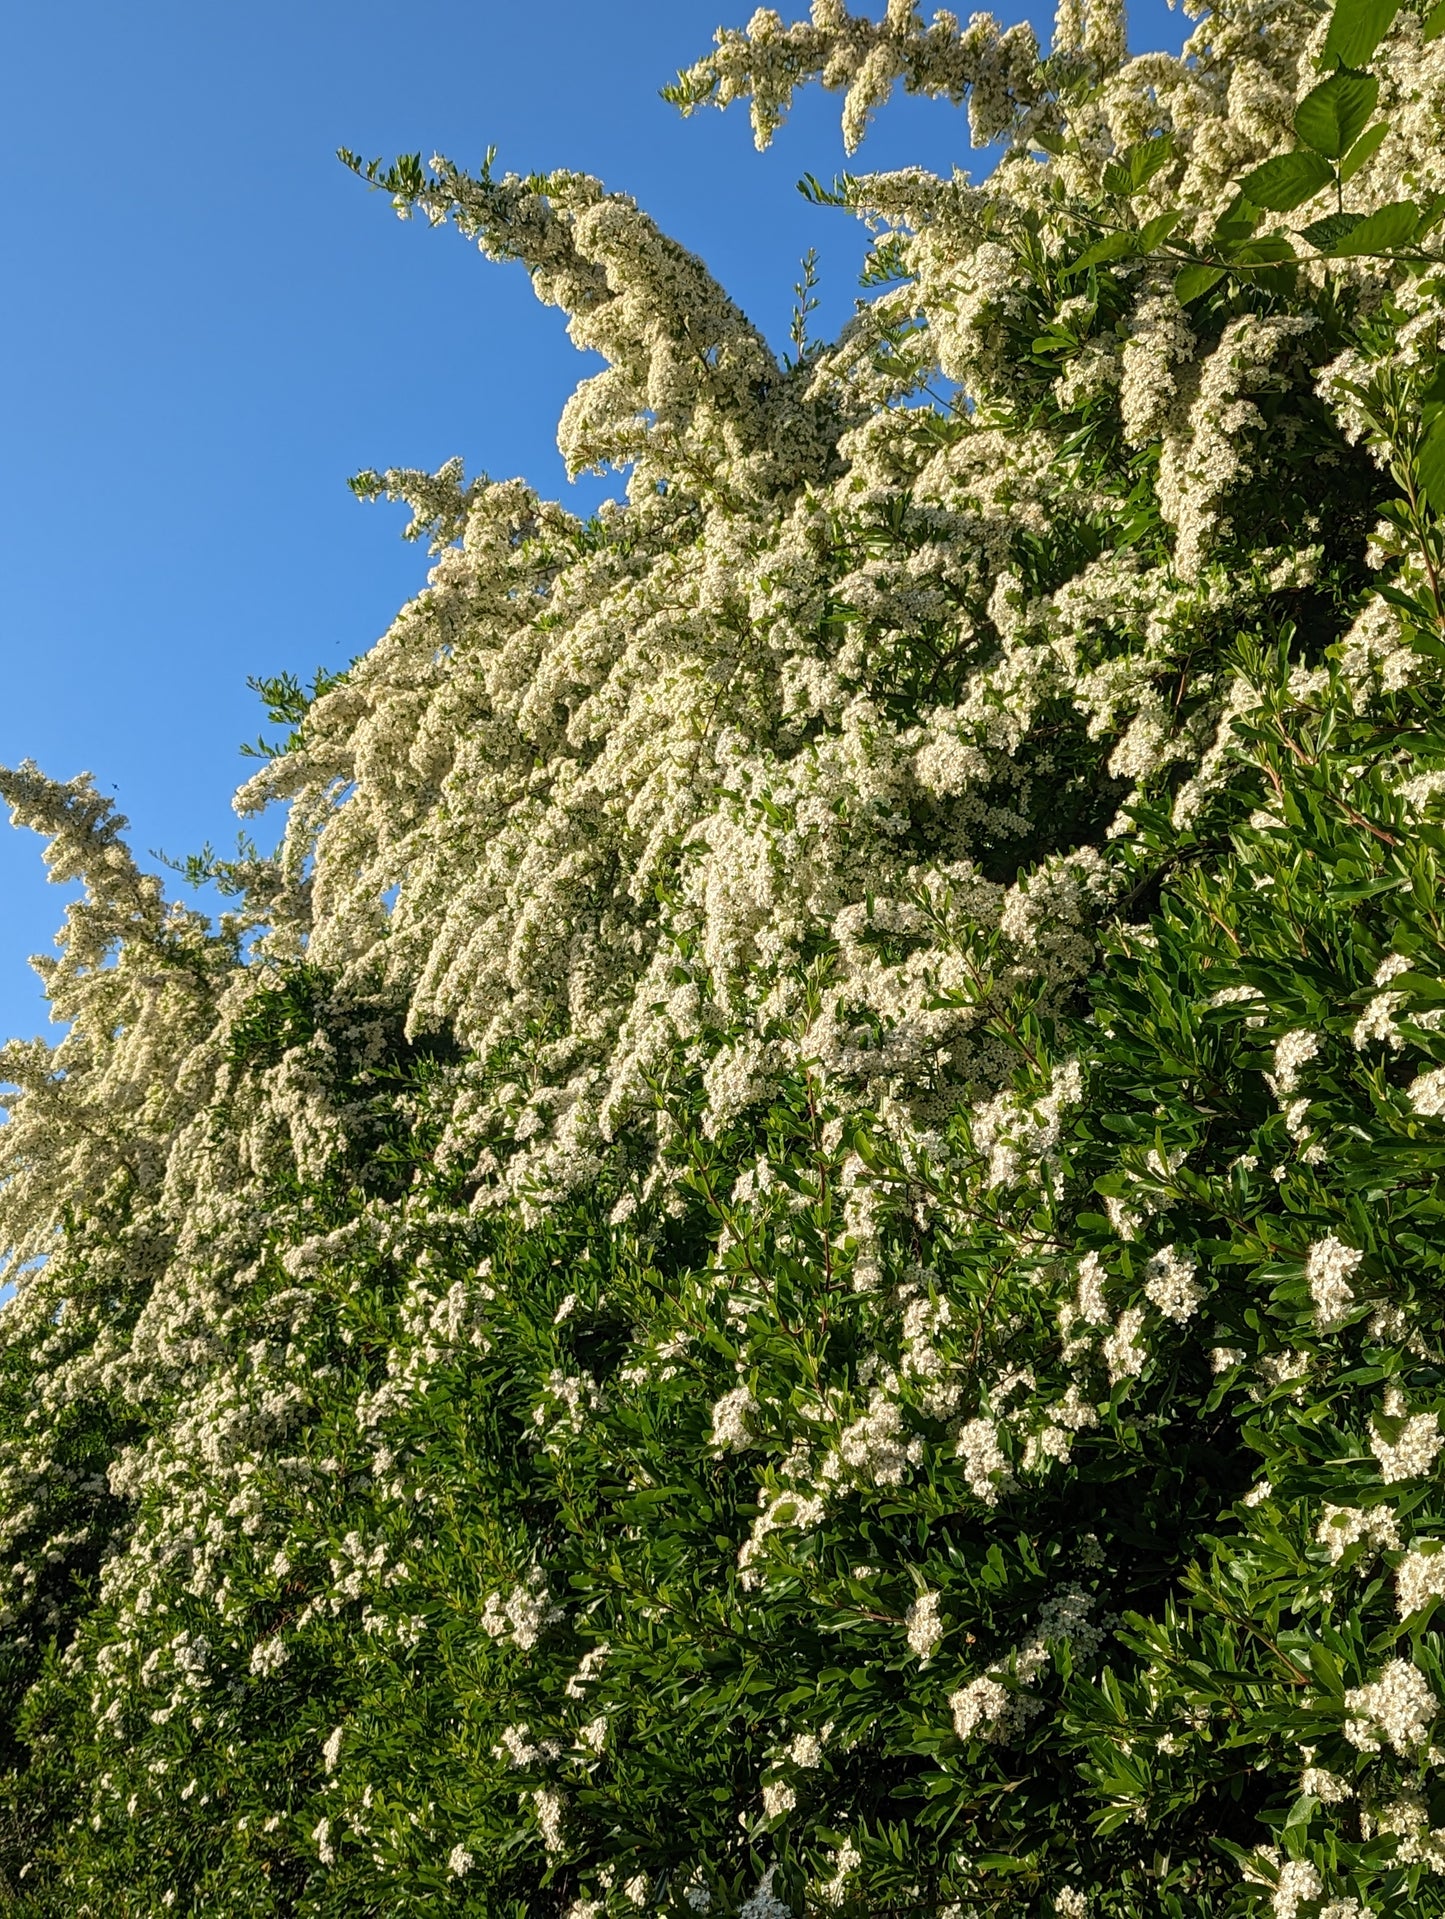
x=211 y=325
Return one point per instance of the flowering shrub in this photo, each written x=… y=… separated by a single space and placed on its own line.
x=787 y=1257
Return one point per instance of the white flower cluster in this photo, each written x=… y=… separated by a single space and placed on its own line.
x=1299 y=1884
x=1326 y=1786
x=1291 y=1054
x=1397 y=1709
x=732 y=1429
x=985 y=1464
x=551 y=1809
x=522 y=1615
x=1328 y=1266
x=1411 y=1453
x=924 y=1625
x=996 y=1712
x=846 y=1862
x=763 y=1902
x=1420 y=1576
x=1341 y=1527
x=1170 y=1283
x=1427 y=1093
x=766 y=62
x=1122 y=1353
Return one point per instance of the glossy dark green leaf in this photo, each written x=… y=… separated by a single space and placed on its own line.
x=1432 y=397
x=1239 y=219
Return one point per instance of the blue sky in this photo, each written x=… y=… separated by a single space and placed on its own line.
x=210 y=325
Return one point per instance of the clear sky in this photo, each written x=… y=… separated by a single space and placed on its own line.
x=209 y=325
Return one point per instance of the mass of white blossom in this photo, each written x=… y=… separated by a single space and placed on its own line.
x=811 y=773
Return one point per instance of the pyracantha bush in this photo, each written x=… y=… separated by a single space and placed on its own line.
x=787 y=1259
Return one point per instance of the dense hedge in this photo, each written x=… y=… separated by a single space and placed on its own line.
x=787 y=1258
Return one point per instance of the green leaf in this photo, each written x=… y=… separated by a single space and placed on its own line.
x=1380 y=232
x=1434 y=23
x=1332 y=116
x=1145 y=159
x=1157 y=229
x=1356 y=28
x=1001 y=1862
x=1238 y=220
x=1287 y=181
x=1432 y=400
x=1430 y=466
x=1433 y=211
x=1326 y=1670
x=1268 y=250
x=1363 y=148
x=1302 y=1811
x=1113 y=246
x=1327 y=233
x=1192 y=281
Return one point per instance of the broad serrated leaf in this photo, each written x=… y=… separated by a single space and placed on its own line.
x=1361 y=150
x=1287 y=181
x=1153 y=231
x=1332 y=116
x=1145 y=159
x=1379 y=232
x=1194 y=281
x=1270 y=249
x=1356 y=28
x=1238 y=220
x=1327 y=233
